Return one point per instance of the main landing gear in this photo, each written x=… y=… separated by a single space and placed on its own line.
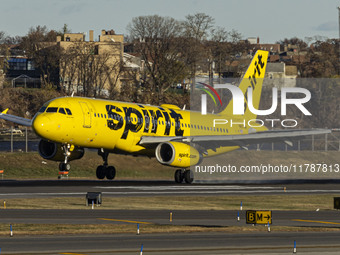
x=104 y=170
x=184 y=175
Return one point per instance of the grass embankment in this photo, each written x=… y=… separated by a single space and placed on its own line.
x=30 y=165
x=20 y=165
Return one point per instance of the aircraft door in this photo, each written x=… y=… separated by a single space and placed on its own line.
x=86 y=113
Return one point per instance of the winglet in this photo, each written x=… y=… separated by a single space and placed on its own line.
x=5 y=111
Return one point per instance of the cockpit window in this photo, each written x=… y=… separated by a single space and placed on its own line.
x=62 y=111
x=42 y=109
x=52 y=109
x=68 y=111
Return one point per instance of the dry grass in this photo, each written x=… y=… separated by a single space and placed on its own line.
x=268 y=202
x=75 y=229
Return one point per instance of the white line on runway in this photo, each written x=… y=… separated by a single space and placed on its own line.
x=185 y=187
x=171 y=192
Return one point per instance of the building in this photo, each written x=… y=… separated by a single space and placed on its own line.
x=91 y=65
x=273 y=48
x=279 y=75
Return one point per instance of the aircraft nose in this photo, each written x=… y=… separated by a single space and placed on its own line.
x=41 y=125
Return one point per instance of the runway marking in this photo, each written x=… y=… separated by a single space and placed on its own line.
x=316 y=221
x=198 y=187
x=126 y=221
x=173 y=192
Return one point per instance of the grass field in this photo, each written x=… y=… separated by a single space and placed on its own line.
x=250 y=202
x=30 y=165
x=76 y=229
x=20 y=165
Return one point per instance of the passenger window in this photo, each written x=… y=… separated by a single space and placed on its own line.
x=52 y=109
x=68 y=111
x=62 y=111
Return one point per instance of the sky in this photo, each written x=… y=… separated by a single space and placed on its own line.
x=270 y=20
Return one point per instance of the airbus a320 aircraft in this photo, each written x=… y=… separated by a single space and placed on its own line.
x=176 y=137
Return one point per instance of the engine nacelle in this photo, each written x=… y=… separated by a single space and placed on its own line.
x=177 y=154
x=55 y=151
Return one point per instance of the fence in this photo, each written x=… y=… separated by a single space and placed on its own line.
x=15 y=139
x=327 y=142
x=25 y=140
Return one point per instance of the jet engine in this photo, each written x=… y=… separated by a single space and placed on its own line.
x=55 y=151
x=177 y=154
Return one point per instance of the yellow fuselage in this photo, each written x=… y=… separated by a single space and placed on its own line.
x=118 y=126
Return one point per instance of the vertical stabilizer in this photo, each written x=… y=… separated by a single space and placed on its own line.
x=253 y=78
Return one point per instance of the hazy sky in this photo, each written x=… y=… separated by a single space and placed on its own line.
x=271 y=20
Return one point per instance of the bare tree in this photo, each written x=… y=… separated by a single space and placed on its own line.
x=196 y=28
x=84 y=70
x=157 y=41
x=39 y=45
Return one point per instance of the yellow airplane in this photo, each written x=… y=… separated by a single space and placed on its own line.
x=176 y=137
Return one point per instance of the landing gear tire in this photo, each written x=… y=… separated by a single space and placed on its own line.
x=101 y=172
x=179 y=176
x=188 y=176
x=110 y=172
x=64 y=167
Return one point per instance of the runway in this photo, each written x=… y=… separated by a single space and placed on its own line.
x=168 y=244
x=57 y=188
x=208 y=242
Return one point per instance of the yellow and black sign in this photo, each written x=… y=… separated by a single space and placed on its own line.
x=259 y=217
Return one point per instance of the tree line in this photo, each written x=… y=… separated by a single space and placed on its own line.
x=171 y=51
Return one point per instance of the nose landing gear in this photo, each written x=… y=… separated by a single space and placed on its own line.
x=65 y=166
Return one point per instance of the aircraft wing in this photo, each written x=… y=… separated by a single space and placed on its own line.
x=215 y=141
x=15 y=119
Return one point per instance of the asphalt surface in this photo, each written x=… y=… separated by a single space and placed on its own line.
x=262 y=242
x=189 y=243
x=59 y=188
